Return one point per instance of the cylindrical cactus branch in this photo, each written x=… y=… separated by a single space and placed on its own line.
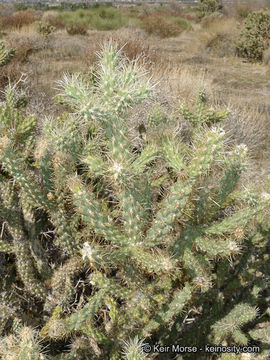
x=5 y=55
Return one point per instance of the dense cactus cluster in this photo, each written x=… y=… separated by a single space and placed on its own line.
x=106 y=244
x=208 y=7
x=44 y=28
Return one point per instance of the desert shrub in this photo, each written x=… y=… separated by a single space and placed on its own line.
x=78 y=16
x=207 y=7
x=107 y=13
x=54 y=20
x=76 y=29
x=44 y=28
x=184 y=24
x=107 y=19
x=19 y=19
x=255 y=36
x=160 y=26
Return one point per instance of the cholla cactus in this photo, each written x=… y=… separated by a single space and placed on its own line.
x=14 y=98
x=202 y=115
x=5 y=55
x=232 y=322
x=44 y=28
x=134 y=349
x=254 y=36
x=128 y=257
x=25 y=345
x=208 y=7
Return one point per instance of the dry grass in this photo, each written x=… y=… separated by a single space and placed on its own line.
x=180 y=84
x=217 y=36
x=255 y=135
x=25 y=41
x=132 y=44
x=10 y=73
x=133 y=47
x=251 y=126
x=62 y=47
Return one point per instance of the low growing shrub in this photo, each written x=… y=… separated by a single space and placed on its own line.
x=157 y=25
x=255 y=36
x=76 y=29
x=18 y=19
x=107 y=19
x=54 y=21
x=184 y=24
x=107 y=13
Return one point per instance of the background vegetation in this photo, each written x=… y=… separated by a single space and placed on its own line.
x=99 y=247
